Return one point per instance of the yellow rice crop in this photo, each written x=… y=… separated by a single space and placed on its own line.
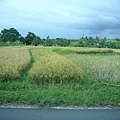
x=12 y=62
x=50 y=67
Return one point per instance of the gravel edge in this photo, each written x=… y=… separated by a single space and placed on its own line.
x=13 y=105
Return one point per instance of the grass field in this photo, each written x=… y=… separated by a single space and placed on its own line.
x=60 y=76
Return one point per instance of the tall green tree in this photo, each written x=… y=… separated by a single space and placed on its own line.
x=36 y=41
x=10 y=35
x=81 y=42
x=29 y=38
x=102 y=42
x=91 y=41
x=22 y=40
x=117 y=39
x=48 y=37
x=0 y=36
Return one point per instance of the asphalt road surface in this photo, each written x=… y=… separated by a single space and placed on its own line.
x=59 y=114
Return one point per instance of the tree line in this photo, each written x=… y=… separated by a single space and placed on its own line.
x=13 y=37
x=99 y=43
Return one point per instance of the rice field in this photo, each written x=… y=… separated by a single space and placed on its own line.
x=98 y=66
x=90 y=79
x=13 y=61
x=50 y=67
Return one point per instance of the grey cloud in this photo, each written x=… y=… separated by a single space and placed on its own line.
x=114 y=32
x=98 y=24
x=62 y=17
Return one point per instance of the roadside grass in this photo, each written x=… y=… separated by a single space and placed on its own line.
x=89 y=91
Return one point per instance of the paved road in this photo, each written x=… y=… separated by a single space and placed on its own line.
x=59 y=114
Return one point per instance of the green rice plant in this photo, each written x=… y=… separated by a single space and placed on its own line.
x=13 y=61
x=50 y=67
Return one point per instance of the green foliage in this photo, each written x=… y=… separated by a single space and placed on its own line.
x=62 y=42
x=36 y=41
x=29 y=38
x=48 y=42
x=8 y=43
x=98 y=43
x=73 y=43
x=9 y=35
x=16 y=43
x=12 y=37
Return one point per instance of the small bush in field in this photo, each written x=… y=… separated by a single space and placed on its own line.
x=50 y=67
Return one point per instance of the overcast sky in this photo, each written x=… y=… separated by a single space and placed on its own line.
x=62 y=18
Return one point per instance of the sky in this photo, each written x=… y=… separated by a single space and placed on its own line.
x=62 y=18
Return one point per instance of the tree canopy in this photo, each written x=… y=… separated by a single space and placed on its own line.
x=13 y=37
x=10 y=35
